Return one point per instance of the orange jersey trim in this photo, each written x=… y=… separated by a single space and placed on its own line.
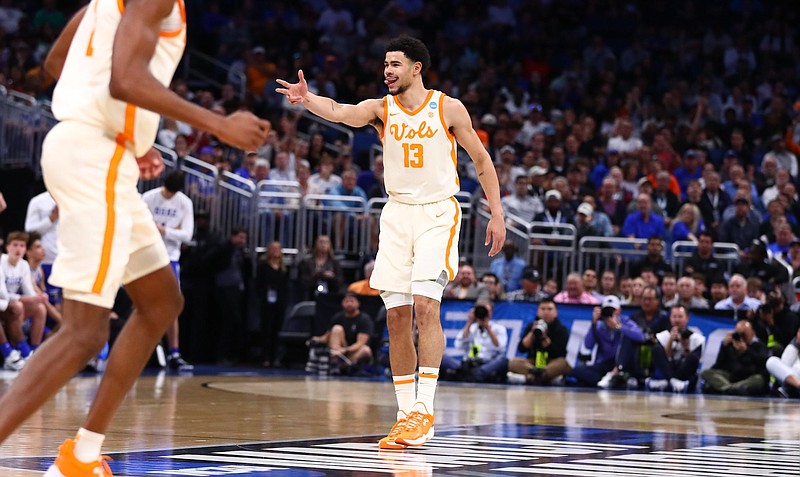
x=174 y=33
x=121 y=6
x=450 y=138
x=412 y=113
x=111 y=217
x=385 y=116
x=451 y=275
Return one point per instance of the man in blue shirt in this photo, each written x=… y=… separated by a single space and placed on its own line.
x=643 y=223
x=690 y=170
x=509 y=267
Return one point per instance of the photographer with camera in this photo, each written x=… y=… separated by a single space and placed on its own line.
x=741 y=364
x=677 y=354
x=609 y=329
x=545 y=340
x=484 y=343
x=637 y=358
x=774 y=323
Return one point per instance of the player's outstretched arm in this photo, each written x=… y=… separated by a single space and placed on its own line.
x=57 y=55
x=461 y=126
x=132 y=82
x=366 y=112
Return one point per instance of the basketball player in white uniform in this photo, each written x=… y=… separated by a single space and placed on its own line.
x=114 y=61
x=418 y=244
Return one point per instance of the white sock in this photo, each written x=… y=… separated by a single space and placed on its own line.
x=428 y=377
x=87 y=445
x=405 y=391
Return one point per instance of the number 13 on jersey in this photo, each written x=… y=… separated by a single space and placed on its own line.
x=412 y=155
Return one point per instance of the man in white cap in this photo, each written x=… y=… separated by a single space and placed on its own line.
x=583 y=221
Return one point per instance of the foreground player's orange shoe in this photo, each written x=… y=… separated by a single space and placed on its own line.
x=67 y=465
x=390 y=441
x=419 y=428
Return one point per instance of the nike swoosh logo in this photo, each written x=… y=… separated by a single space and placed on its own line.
x=441 y=214
x=393 y=114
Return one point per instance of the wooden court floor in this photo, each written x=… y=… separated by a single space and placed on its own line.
x=289 y=425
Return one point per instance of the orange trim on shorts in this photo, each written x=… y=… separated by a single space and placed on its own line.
x=405 y=381
x=108 y=235
x=450 y=273
x=429 y=376
x=130 y=124
x=412 y=113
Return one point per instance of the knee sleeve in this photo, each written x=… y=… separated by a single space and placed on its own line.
x=394 y=299
x=428 y=288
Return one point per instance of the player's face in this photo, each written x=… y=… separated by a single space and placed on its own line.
x=398 y=72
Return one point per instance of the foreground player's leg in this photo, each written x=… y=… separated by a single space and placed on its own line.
x=403 y=359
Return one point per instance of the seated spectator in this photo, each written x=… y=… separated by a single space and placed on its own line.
x=484 y=344
x=688 y=224
x=742 y=228
x=520 y=203
x=771 y=274
x=282 y=170
x=669 y=289
x=783 y=238
x=320 y=272
x=637 y=358
x=771 y=193
x=786 y=369
x=713 y=203
x=637 y=288
x=755 y=289
x=248 y=167
x=625 y=290
x=584 y=222
x=664 y=198
x=554 y=212
x=509 y=267
x=362 y=287
x=608 y=283
x=545 y=341
x=574 y=293
x=650 y=318
x=550 y=287
x=608 y=329
x=35 y=255
x=24 y=301
x=346 y=188
x=347 y=337
x=738 y=299
x=690 y=170
x=368 y=179
x=677 y=355
x=465 y=286
x=323 y=180
x=741 y=364
x=589 y=278
x=11 y=315
x=493 y=287
x=775 y=323
x=608 y=203
x=532 y=290
x=643 y=223
x=686 y=296
x=654 y=259
x=702 y=260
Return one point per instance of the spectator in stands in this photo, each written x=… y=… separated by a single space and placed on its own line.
x=600 y=221
x=347 y=188
x=520 y=203
x=361 y=287
x=774 y=323
x=702 y=260
x=687 y=224
x=508 y=170
x=782 y=178
x=583 y=221
x=232 y=266
x=374 y=176
x=643 y=223
x=261 y=170
x=465 y=286
x=608 y=283
x=493 y=287
x=35 y=255
x=784 y=158
x=344 y=162
x=574 y=293
x=606 y=333
x=324 y=180
x=282 y=171
x=667 y=201
x=272 y=285
x=713 y=203
x=611 y=205
x=484 y=343
x=509 y=267
x=42 y=218
x=248 y=167
x=348 y=337
x=653 y=260
x=742 y=228
x=303 y=175
x=686 y=296
x=783 y=238
x=690 y=170
x=677 y=355
x=624 y=141
x=554 y=212
x=738 y=299
x=545 y=341
x=590 y=283
x=650 y=317
x=532 y=290
x=320 y=272
x=740 y=368
x=757 y=264
x=786 y=369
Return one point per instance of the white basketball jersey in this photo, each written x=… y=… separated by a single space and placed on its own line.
x=82 y=93
x=419 y=152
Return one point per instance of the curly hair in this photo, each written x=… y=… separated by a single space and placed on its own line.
x=414 y=49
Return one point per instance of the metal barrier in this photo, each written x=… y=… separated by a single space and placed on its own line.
x=516 y=231
x=22 y=129
x=725 y=252
x=343 y=218
x=610 y=253
x=552 y=250
x=279 y=217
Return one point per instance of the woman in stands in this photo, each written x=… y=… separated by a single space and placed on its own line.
x=688 y=224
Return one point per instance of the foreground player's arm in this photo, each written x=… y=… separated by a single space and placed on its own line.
x=57 y=55
x=461 y=126
x=132 y=82
x=366 y=112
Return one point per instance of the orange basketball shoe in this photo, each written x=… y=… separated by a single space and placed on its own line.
x=67 y=465
x=390 y=441
x=419 y=428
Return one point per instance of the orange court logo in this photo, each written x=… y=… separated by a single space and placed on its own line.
x=403 y=131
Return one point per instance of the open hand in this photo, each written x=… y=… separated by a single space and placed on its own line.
x=495 y=234
x=295 y=92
